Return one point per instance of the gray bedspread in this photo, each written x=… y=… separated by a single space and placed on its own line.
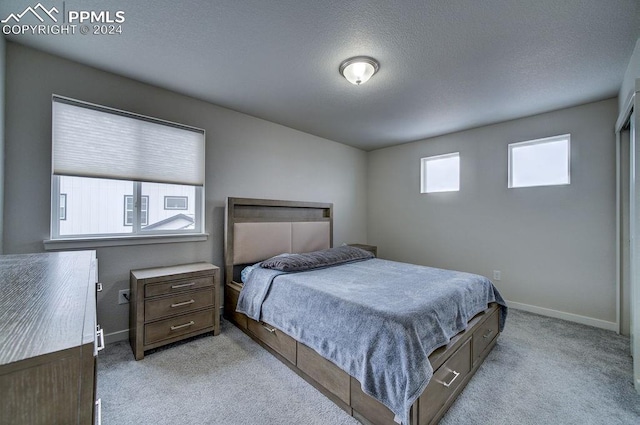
x=377 y=320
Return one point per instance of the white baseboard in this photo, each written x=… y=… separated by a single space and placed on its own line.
x=597 y=323
x=122 y=335
x=602 y=324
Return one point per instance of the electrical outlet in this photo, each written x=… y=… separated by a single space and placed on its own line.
x=496 y=275
x=124 y=296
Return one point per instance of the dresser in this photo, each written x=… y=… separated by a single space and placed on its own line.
x=169 y=304
x=49 y=338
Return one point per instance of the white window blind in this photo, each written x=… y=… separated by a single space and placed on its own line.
x=94 y=141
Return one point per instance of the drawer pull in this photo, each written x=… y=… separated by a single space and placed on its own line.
x=184 y=325
x=99 y=338
x=99 y=411
x=268 y=328
x=182 y=285
x=182 y=303
x=455 y=376
x=99 y=287
x=489 y=332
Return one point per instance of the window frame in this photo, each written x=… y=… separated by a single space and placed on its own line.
x=138 y=235
x=423 y=171
x=544 y=140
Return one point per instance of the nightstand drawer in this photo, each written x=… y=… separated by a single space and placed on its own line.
x=176 y=326
x=175 y=286
x=177 y=304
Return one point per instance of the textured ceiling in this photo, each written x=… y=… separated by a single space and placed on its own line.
x=445 y=65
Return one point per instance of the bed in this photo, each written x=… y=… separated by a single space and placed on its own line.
x=412 y=382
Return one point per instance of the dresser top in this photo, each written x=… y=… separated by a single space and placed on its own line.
x=44 y=301
x=170 y=271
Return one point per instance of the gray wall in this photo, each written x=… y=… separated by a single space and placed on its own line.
x=245 y=156
x=628 y=85
x=555 y=246
x=3 y=45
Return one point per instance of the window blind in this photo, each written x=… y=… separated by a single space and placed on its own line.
x=94 y=141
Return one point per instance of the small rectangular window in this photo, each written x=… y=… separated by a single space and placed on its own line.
x=541 y=162
x=440 y=173
x=176 y=203
x=129 y=211
x=63 y=206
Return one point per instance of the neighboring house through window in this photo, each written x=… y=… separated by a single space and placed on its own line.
x=129 y=210
x=63 y=206
x=176 y=202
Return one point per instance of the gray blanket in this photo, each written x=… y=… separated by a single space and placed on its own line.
x=377 y=320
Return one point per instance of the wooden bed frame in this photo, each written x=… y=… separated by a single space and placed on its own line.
x=453 y=364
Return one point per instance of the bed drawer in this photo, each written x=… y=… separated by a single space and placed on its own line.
x=178 y=326
x=371 y=409
x=175 y=286
x=231 y=295
x=444 y=383
x=177 y=304
x=324 y=372
x=280 y=342
x=485 y=333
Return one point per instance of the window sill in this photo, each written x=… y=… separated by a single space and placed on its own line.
x=80 y=243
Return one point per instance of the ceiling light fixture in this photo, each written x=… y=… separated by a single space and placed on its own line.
x=359 y=69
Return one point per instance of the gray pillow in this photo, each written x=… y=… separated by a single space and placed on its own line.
x=316 y=259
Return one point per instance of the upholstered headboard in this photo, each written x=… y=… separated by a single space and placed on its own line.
x=257 y=229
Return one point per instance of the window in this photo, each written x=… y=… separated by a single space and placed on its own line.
x=119 y=171
x=541 y=162
x=63 y=206
x=128 y=210
x=440 y=173
x=176 y=202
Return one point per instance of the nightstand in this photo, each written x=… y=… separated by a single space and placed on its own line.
x=371 y=248
x=169 y=304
